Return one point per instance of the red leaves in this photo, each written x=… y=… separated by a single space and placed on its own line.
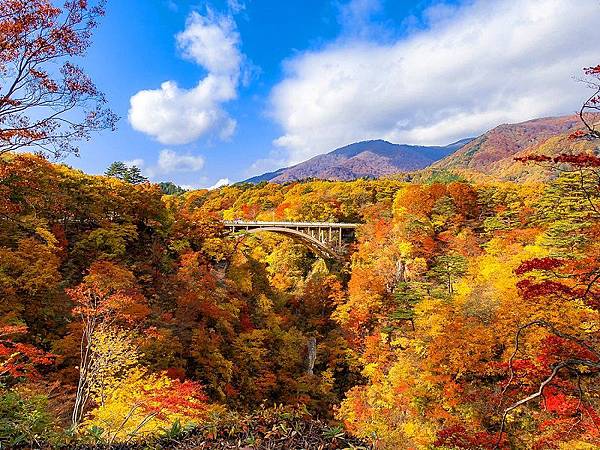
x=108 y=292
x=595 y=70
x=77 y=82
x=178 y=398
x=539 y=264
x=45 y=82
x=250 y=211
x=578 y=161
x=558 y=402
x=530 y=289
x=557 y=349
x=246 y=323
x=533 y=158
x=578 y=134
x=36 y=37
x=581 y=160
x=18 y=359
x=457 y=436
x=574 y=279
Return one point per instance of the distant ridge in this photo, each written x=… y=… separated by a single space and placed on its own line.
x=491 y=155
x=494 y=152
x=366 y=159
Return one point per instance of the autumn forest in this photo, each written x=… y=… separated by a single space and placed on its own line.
x=464 y=313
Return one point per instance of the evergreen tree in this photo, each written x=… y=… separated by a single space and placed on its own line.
x=170 y=188
x=129 y=174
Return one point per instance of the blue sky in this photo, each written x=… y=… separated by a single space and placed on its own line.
x=225 y=89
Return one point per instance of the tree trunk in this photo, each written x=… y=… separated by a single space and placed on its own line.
x=312 y=355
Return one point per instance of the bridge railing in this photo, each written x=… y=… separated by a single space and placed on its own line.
x=243 y=223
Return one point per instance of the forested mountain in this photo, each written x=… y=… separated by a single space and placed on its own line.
x=494 y=152
x=491 y=154
x=367 y=159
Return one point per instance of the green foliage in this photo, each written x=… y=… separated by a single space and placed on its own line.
x=129 y=174
x=106 y=243
x=170 y=188
x=569 y=205
x=270 y=427
x=447 y=269
x=25 y=420
x=406 y=296
x=94 y=434
x=443 y=176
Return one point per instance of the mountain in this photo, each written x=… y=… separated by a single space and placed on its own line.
x=371 y=159
x=493 y=153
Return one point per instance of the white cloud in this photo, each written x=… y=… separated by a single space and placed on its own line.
x=138 y=162
x=190 y=187
x=179 y=116
x=202 y=185
x=472 y=68
x=169 y=162
x=175 y=115
x=222 y=182
x=212 y=41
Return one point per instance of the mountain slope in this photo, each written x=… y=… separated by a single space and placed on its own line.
x=494 y=152
x=371 y=159
x=489 y=156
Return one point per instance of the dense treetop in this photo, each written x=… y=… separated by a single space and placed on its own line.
x=414 y=335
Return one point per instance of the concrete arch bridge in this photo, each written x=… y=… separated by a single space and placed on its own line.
x=326 y=239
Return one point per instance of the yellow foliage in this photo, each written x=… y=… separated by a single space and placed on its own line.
x=578 y=445
x=132 y=403
x=132 y=410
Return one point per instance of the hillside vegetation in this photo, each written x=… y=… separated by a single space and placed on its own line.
x=489 y=156
x=464 y=314
x=494 y=153
x=367 y=159
x=181 y=325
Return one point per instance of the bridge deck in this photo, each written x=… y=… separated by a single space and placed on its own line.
x=243 y=223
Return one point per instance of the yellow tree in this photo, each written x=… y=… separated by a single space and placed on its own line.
x=107 y=296
x=130 y=402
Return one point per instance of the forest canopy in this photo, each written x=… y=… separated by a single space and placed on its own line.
x=463 y=313
x=460 y=300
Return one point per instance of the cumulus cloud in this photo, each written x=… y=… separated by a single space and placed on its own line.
x=169 y=162
x=179 y=116
x=470 y=68
x=174 y=115
x=212 y=41
x=222 y=182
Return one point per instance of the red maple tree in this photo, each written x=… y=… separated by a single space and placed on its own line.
x=47 y=103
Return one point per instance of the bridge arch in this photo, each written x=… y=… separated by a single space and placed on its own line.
x=315 y=245
x=325 y=239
